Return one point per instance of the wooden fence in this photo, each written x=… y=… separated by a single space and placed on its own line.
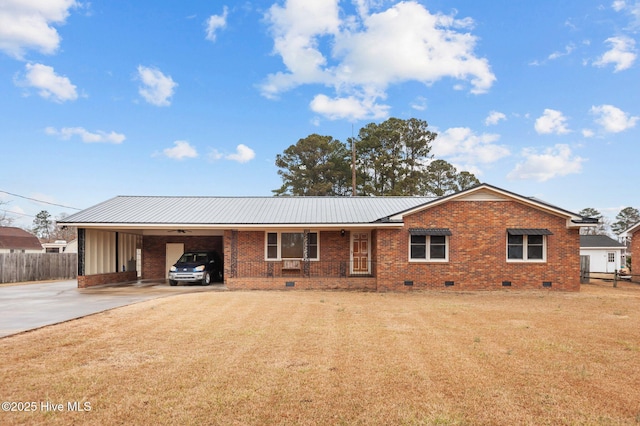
x=19 y=267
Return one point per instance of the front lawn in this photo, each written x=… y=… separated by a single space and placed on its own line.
x=313 y=357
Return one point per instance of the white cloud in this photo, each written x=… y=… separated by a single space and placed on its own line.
x=349 y=107
x=181 y=150
x=243 y=154
x=216 y=22
x=567 y=51
x=494 y=118
x=552 y=121
x=622 y=53
x=632 y=9
x=214 y=155
x=157 y=88
x=461 y=145
x=369 y=52
x=618 y=5
x=551 y=163
x=26 y=25
x=86 y=136
x=419 y=104
x=50 y=85
x=588 y=133
x=612 y=119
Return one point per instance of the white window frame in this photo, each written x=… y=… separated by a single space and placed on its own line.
x=428 y=258
x=279 y=245
x=525 y=246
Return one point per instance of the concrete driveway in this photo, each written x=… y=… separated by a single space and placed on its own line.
x=29 y=306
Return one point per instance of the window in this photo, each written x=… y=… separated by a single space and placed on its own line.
x=429 y=245
x=291 y=245
x=527 y=245
x=611 y=257
x=272 y=245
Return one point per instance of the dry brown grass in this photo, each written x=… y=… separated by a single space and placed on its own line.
x=311 y=357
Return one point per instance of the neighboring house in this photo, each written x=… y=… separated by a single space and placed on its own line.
x=58 y=246
x=481 y=238
x=605 y=254
x=634 y=234
x=72 y=246
x=17 y=240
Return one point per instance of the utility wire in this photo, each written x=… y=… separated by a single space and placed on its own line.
x=21 y=214
x=40 y=201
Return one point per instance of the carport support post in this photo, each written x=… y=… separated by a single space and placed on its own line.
x=117 y=252
x=234 y=253
x=81 y=251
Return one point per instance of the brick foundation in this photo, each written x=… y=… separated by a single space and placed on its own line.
x=302 y=283
x=85 y=281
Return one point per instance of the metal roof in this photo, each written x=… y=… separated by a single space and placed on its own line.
x=430 y=231
x=529 y=231
x=242 y=210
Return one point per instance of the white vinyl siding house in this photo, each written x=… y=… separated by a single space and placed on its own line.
x=605 y=254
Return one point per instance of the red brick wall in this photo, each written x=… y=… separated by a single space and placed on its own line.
x=477 y=253
x=635 y=253
x=154 y=251
x=250 y=245
x=85 y=281
x=477 y=250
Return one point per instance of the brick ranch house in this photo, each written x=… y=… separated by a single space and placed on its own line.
x=481 y=238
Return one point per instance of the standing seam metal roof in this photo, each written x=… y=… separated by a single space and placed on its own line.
x=244 y=210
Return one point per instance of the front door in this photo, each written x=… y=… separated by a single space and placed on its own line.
x=360 y=252
x=611 y=262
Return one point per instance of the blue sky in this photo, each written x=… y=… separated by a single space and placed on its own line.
x=107 y=98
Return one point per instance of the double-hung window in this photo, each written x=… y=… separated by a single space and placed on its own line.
x=527 y=245
x=429 y=244
x=291 y=245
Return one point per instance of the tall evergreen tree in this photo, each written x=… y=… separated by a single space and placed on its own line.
x=627 y=217
x=392 y=156
x=315 y=165
x=42 y=225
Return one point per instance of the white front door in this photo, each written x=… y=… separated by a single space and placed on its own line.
x=360 y=253
x=611 y=262
x=174 y=251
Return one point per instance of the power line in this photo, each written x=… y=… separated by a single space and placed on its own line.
x=21 y=214
x=40 y=201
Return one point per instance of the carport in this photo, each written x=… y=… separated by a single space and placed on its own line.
x=114 y=255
